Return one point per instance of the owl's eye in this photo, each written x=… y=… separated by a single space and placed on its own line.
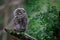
x=15 y=16
x=19 y=13
x=23 y=11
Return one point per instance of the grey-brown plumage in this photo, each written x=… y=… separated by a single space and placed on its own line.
x=20 y=19
x=19 y=25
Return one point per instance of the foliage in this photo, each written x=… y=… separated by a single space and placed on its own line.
x=1 y=15
x=1 y=2
x=1 y=21
x=42 y=19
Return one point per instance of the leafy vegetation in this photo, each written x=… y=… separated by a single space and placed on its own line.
x=42 y=18
x=1 y=2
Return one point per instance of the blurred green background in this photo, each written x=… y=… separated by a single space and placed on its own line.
x=1 y=15
x=42 y=16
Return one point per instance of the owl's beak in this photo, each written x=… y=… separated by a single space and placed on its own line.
x=5 y=30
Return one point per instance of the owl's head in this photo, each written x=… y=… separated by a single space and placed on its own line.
x=19 y=12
